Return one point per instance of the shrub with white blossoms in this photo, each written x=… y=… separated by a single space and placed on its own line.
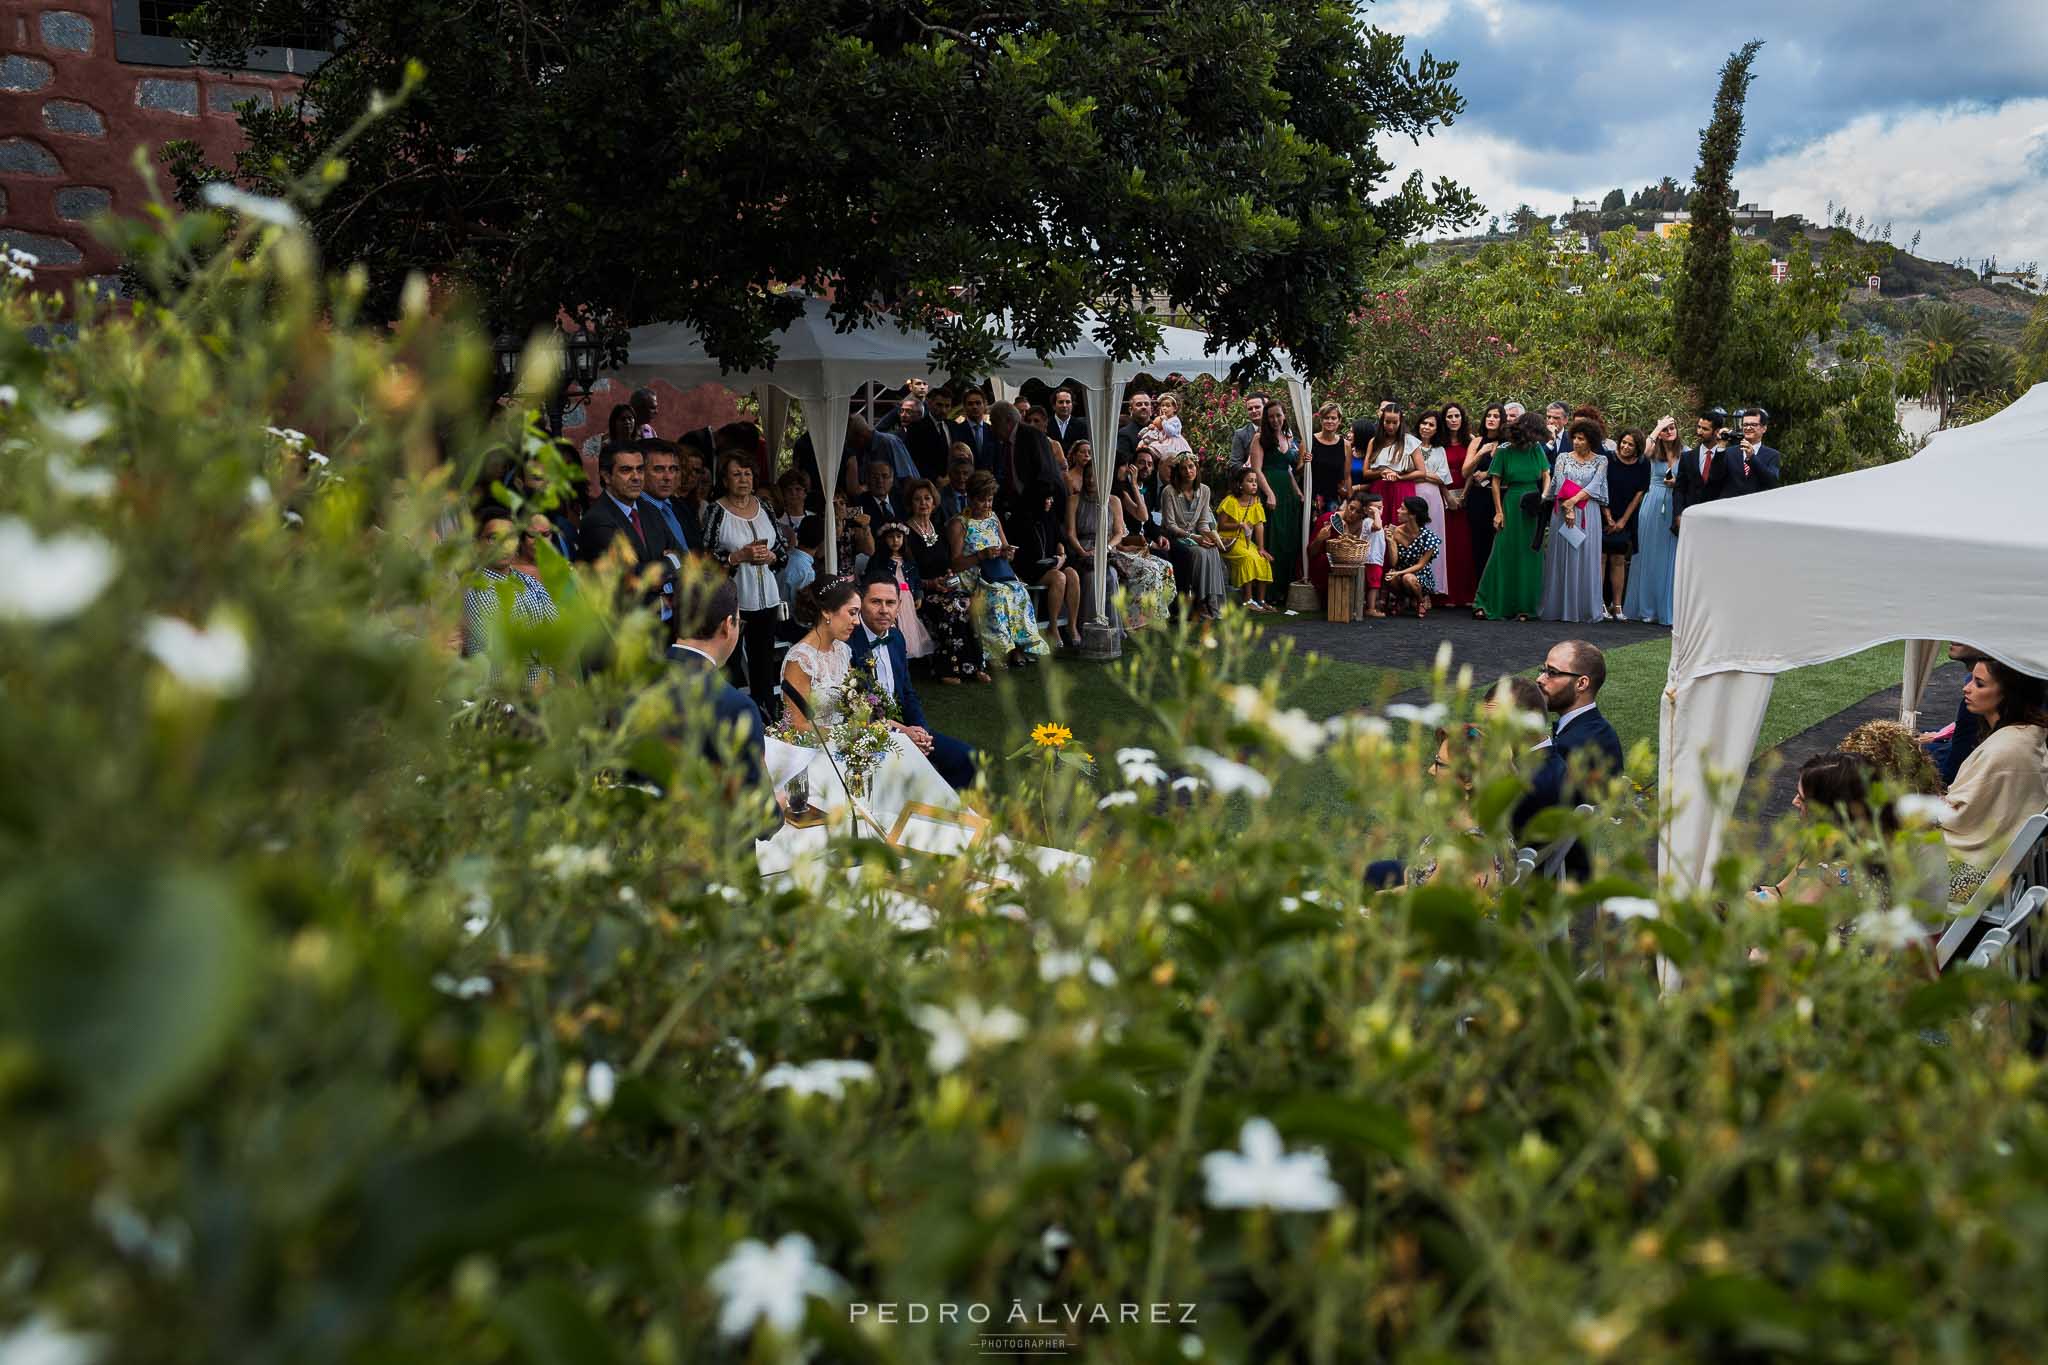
x=1263 y=1174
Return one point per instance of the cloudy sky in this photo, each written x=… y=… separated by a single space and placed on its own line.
x=1931 y=115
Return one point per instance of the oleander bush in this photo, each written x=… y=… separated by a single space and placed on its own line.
x=357 y=1004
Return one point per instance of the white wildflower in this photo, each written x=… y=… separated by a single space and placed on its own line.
x=737 y=1050
x=762 y=1283
x=1191 y=1346
x=1126 y=797
x=258 y=494
x=1356 y=725
x=967 y=1028
x=601 y=1083
x=1894 y=928
x=828 y=1077
x=292 y=518
x=1058 y=965
x=1188 y=784
x=291 y=436
x=9 y=395
x=1124 y=756
x=42 y=1340
x=1431 y=715
x=731 y=895
x=316 y=459
x=16 y=256
x=50 y=580
x=262 y=208
x=1229 y=776
x=1054 y=1240
x=75 y=482
x=1101 y=972
x=20 y=272
x=468 y=988
x=80 y=426
x=1443 y=659
x=568 y=862
x=1010 y=910
x=1262 y=1174
x=214 y=660
x=1915 y=809
x=1300 y=736
x=476 y=913
x=1630 y=907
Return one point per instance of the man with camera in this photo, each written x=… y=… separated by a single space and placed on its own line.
x=1752 y=466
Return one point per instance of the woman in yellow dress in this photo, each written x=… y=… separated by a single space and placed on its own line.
x=1241 y=523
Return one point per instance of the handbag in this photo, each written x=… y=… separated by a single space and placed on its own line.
x=997 y=571
x=1454 y=499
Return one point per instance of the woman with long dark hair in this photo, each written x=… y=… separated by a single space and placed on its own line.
x=1486 y=443
x=1513 y=582
x=1454 y=440
x=1276 y=456
x=2005 y=778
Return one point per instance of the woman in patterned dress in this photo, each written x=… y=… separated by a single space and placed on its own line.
x=946 y=602
x=513 y=564
x=1415 y=548
x=981 y=555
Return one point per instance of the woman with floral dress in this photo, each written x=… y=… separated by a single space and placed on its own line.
x=981 y=555
x=946 y=601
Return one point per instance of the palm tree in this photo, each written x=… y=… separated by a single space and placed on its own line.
x=1946 y=338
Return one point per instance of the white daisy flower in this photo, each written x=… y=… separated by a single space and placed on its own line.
x=1630 y=907
x=80 y=426
x=601 y=1083
x=828 y=1077
x=42 y=1340
x=1229 y=776
x=1126 y=797
x=262 y=208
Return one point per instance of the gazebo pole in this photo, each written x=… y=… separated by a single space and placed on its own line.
x=1100 y=638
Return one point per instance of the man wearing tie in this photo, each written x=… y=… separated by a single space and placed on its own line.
x=878 y=646
x=1703 y=470
x=975 y=432
x=621 y=513
x=1583 y=750
x=1754 y=466
x=1064 y=426
x=664 y=485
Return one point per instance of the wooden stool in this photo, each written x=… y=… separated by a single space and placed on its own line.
x=1347 y=593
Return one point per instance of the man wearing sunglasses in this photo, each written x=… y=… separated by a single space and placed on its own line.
x=1583 y=748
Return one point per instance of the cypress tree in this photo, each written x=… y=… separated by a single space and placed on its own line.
x=1706 y=289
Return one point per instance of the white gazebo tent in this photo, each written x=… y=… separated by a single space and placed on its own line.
x=1949 y=545
x=823 y=368
x=1181 y=350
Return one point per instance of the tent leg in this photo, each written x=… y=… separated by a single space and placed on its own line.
x=1100 y=638
x=1301 y=594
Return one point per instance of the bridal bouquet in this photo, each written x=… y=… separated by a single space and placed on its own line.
x=858 y=735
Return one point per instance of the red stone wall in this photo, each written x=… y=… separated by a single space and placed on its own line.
x=72 y=116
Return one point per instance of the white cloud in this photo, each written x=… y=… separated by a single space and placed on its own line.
x=1967 y=177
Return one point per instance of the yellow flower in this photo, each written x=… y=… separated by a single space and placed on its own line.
x=1050 y=736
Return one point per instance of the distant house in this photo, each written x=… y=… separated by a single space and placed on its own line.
x=2029 y=280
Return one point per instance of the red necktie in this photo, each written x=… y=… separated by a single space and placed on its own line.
x=633 y=515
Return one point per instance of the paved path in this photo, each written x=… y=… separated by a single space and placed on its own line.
x=1937 y=708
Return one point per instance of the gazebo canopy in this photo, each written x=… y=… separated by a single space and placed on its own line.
x=1948 y=545
x=823 y=368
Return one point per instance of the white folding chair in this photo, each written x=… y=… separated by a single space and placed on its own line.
x=2022 y=867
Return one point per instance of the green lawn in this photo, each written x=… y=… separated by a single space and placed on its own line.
x=1801 y=698
x=1090 y=701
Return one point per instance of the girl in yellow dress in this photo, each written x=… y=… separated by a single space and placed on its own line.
x=1241 y=523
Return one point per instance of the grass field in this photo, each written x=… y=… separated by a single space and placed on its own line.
x=1090 y=700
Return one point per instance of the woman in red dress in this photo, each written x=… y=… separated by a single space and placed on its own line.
x=1454 y=435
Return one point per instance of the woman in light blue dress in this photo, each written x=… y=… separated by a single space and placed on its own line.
x=1650 y=573
x=1578 y=484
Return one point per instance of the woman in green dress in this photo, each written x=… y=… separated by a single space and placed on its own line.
x=1513 y=582
x=1276 y=456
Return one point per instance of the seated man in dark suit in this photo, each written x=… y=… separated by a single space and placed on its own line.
x=1583 y=749
x=879 y=646
x=698 y=656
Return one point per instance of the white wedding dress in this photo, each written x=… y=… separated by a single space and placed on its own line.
x=904 y=775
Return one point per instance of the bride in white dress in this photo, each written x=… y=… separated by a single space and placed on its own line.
x=815 y=670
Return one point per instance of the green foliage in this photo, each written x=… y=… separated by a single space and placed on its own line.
x=2033 y=349
x=684 y=162
x=355 y=1008
x=1701 y=317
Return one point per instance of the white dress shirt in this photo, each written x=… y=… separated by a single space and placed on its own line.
x=885 y=672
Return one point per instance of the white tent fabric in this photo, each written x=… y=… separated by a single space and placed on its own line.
x=1945 y=546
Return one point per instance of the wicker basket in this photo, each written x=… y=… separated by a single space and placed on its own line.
x=1348 y=552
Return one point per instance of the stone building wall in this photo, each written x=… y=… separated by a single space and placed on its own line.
x=73 y=115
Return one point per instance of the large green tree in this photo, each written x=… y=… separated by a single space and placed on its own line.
x=1706 y=287
x=1013 y=163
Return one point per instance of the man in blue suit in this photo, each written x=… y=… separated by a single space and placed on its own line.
x=878 y=645
x=1583 y=748
x=1754 y=466
x=698 y=670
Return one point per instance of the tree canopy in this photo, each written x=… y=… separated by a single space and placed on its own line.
x=964 y=163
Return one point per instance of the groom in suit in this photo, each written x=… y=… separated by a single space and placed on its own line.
x=1703 y=469
x=878 y=646
x=1583 y=747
